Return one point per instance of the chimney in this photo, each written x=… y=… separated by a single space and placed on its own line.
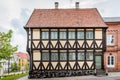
x=56 y=5
x=77 y=5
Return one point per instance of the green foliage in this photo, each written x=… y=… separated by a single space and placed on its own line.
x=6 y=49
x=15 y=67
x=14 y=77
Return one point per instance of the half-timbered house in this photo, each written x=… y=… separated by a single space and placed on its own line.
x=65 y=42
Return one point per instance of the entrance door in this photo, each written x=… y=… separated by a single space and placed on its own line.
x=98 y=62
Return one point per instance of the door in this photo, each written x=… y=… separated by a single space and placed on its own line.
x=98 y=62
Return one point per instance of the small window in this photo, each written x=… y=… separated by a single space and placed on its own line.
x=110 y=40
x=71 y=56
x=89 y=35
x=80 y=35
x=45 y=35
x=89 y=56
x=110 y=61
x=63 y=56
x=45 y=56
x=54 y=56
x=71 y=35
x=81 y=56
x=53 y=35
x=63 y=35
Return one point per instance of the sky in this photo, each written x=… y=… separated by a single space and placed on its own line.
x=14 y=14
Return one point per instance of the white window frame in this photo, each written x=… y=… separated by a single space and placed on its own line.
x=110 y=39
x=110 y=65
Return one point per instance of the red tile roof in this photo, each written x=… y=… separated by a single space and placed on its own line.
x=66 y=18
x=22 y=55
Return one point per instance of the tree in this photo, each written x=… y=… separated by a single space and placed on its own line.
x=15 y=67
x=6 y=49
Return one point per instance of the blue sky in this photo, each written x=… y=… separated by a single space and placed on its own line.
x=14 y=14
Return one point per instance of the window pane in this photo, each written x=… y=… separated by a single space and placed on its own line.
x=89 y=56
x=81 y=56
x=110 y=39
x=54 y=56
x=80 y=35
x=71 y=35
x=108 y=60
x=89 y=35
x=112 y=60
x=45 y=56
x=44 y=35
x=53 y=35
x=63 y=35
x=71 y=56
x=63 y=56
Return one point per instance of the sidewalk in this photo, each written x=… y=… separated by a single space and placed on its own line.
x=111 y=76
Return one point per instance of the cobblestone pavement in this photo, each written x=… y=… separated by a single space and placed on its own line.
x=111 y=76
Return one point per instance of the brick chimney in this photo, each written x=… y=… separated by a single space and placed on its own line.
x=56 y=5
x=77 y=5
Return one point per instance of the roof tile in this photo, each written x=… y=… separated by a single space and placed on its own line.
x=65 y=18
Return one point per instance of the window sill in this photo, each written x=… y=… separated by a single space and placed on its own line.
x=111 y=45
x=110 y=66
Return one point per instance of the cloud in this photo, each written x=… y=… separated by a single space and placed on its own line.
x=19 y=36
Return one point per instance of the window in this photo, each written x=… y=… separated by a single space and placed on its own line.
x=45 y=56
x=80 y=35
x=89 y=56
x=63 y=56
x=71 y=35
x=63 y=35
x=110 y=39
x=89 y=35
x=81 y=56
x=53 y=35
x=45 y=35
x=54 y=56
x=110 y=61
x=71 y=56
